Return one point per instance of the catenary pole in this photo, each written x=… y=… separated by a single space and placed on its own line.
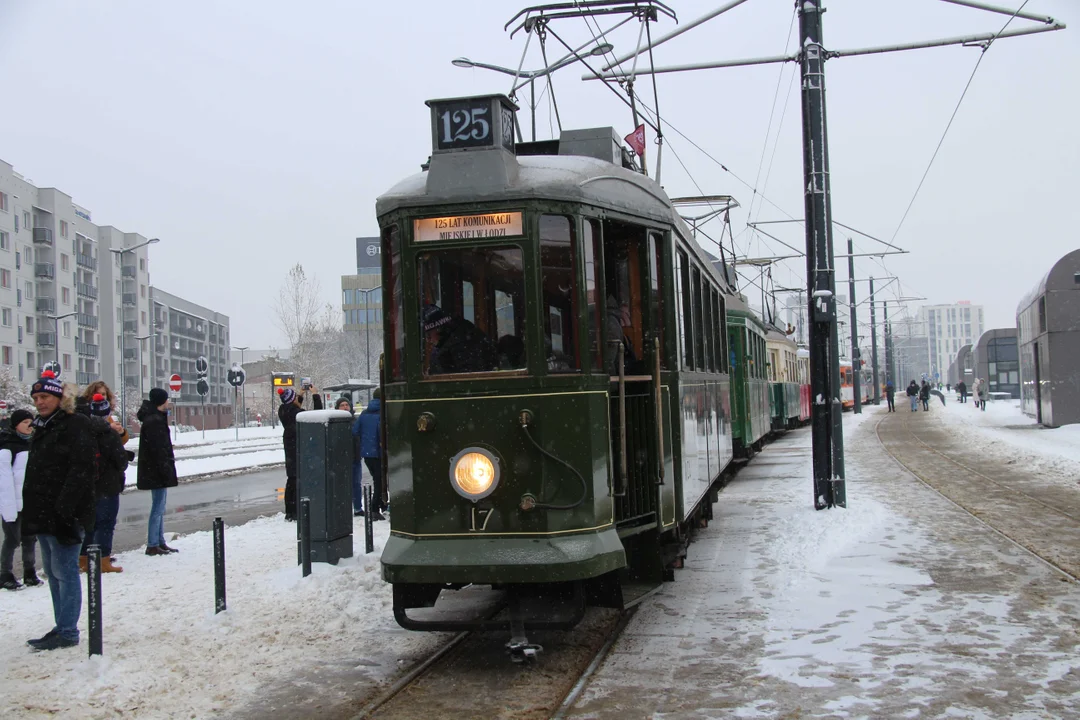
x=827 y=428
x=873 y=346
x=856 y=357
x=888 y=345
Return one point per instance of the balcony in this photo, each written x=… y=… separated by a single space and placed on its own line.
x=86 y=261
x=46 y=339
x=84 y=378
x=129 y=271
x=130 y=326
x=86 y=349
x=88 y=321
x=45 y=304
x=43 y=236
x=45 y=270
x=131 y=353
x=175 y=329
x=130 y=299
x=86 y=291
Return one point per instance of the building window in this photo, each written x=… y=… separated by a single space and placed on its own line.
x=5 y=278
x=26 y=219
x=30 y=360
x=29 y=293
x=63 y=261
x=66 y=364
x=142 y=291
x=8 y=354
x=143 y=313
x=5 y=317
x=142 y=263
x=63 y=228
x=5 y=241
x=3 y=201
x=65 y=296
x=118 y=287
x=67 y=328
x=29 y=324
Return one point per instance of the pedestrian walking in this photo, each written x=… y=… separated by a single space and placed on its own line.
x=890 y=395
x=371 y=449
x=112 y=462
x=961 y=387
x=292 y=404
x=975 y=387
x=924 y=396
x=913 y=395
x=58 y=501
x=984 y=393
x=14 y=451
x=157 y=466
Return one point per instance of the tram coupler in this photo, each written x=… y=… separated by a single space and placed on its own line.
x=519 y=648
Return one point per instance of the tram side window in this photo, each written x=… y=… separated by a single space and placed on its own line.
x=591 y=250
x=706 y=321
x=625 y=278
x=699 y=334
x=682 y=288
x=486 y=284
x=656 y=265
x=395 y=327
x=559 y=291
x=721 y=333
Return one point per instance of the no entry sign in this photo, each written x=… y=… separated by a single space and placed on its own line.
x=175 y=384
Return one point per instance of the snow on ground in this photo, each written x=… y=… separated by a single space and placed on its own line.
x=1003 y=432
x=220 y=451
x=168 y=655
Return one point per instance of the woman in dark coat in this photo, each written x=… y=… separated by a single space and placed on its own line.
x=157 y=468
x=112 y=475
x=292 y=404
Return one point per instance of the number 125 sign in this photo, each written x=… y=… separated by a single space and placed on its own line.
x=475 y=122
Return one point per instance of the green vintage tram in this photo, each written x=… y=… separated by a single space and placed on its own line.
x=556 y=401
x=749 y=379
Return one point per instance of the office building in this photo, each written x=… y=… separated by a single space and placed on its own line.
x=361 y=300
x=63 y=295
x=185 y=331
x=949 y=328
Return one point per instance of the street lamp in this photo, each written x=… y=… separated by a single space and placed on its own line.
x=140 y=339
x=367 y=335
x=531 y=75
x=56 y=330
x=120 y=252
x=243 y=398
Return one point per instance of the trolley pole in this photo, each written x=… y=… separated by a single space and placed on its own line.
x=827 y=422
x=873 y=347
x=856 y=358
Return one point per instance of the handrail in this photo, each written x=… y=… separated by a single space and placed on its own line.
x=659 y=411
x=621 y=492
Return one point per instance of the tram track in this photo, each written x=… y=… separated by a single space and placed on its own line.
x=1027 y=531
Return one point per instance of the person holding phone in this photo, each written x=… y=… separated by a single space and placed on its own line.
x=292 y=404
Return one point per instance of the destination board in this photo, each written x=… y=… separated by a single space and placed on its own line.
x=468 y=227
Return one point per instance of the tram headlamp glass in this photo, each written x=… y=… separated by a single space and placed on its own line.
x=474 y=473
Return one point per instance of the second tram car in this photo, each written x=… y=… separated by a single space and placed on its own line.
x=785 y=381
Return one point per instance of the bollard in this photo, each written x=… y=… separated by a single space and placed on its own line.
x=305 y=535
x=369 y=535
x=93 y=597
x=219 y=565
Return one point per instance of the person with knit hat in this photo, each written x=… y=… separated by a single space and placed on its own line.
x=157 y=466
x=14 y=450
x=58 y=501
x=292 y=404
x=112 y=474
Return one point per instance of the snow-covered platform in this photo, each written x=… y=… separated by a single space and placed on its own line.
x=902 y=605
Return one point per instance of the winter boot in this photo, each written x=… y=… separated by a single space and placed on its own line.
x=84 y=563
x=8 y=582
x=107 y=566
x=30 y=578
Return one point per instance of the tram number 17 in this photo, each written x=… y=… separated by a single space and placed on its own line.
x=480 y=518
x=465 y=124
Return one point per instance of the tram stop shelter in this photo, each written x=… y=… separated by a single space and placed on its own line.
x=351 y=387
x=1048 y=325
x=996 y=360
x=961 y=367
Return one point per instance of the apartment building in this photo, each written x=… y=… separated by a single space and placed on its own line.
x=183 y=332
x=949 y=328
x=70 y=290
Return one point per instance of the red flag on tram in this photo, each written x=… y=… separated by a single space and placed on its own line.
x=636 y=139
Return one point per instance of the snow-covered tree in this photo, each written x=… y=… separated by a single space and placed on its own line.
x=16 y=393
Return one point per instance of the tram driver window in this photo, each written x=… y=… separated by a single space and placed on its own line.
x=560 y=294
x=472 y=310
x=625 y=267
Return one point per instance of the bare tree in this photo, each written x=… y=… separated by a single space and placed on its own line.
x=298 y=306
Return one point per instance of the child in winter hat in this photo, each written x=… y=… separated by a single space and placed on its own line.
x=99 y=406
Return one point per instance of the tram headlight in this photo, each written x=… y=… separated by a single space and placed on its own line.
x=474 y=473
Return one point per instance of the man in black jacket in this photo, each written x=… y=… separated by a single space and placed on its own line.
x=58 y=501
x=157 y=466
x=292 y=404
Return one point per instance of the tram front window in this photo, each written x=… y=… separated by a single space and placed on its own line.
x=472 y=315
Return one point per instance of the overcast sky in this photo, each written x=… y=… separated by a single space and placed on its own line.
x=250 y=136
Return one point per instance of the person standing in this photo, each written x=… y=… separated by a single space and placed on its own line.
x=14 y=451
x=371 y=449
x=112 y=475
x=890 y=395
x=292 y=404
x=58 y=501
x=924 y=395
x=975 y=391
x=983 y=392
x=913 y=395
x=157 y=466
x=961 y=387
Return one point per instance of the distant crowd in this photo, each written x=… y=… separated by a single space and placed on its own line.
x=919 y=395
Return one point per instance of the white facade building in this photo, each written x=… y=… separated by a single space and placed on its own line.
x=63 y=295
x=949 y=328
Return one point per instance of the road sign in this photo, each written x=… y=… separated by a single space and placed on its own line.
x=202 y=387
x=175 y=383
x=236 y=375
x=201 y=365
x=52 y=365
x=3 y=404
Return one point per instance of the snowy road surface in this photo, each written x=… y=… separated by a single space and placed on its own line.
x=901 y=605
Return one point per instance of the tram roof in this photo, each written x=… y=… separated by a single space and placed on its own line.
x=569 y=178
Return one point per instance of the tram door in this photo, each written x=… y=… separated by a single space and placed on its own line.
x=632 y=309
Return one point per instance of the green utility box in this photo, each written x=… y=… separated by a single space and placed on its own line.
x=324 y=460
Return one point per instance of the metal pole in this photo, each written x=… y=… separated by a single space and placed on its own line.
x=888 y=345
x=235 y=426
x=827 y=427
x=367 y=341
x=204 y=416
x=219 y=565
x=856 y=361
x=93 y=597
x=873 y=347
x=305 y=535
x=532 y=106
x=369 y=507
x=243 y=398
